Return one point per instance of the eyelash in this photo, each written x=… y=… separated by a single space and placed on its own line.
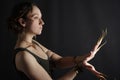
x=36 y=18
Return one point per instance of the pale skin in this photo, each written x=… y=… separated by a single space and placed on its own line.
x=26 y=63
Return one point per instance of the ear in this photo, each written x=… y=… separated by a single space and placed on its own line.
x=22 y=22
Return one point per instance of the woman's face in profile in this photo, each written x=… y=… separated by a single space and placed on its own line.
x=34 y=22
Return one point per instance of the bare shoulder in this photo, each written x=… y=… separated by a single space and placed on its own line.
x=26 y=63
x=24 y=55
x=23 y=59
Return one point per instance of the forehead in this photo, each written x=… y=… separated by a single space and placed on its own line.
x=35 y=11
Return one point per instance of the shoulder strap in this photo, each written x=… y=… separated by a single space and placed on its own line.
x=24 y=49
x=39 y=45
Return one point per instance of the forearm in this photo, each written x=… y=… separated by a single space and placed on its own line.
x=71 y=61
x=65 y=62
x=69 y=75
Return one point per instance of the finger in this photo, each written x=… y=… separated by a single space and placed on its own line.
x=102 y=78
x=99 y=41
x=95 y=51
x=104 y=33
x=101 y=46
x=104 y=75
x=102 y=37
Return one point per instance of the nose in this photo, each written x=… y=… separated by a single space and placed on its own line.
x=42 y=22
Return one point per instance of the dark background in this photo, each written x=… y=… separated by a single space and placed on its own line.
x=72 y=27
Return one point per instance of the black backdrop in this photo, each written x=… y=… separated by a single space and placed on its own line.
x=71 y=28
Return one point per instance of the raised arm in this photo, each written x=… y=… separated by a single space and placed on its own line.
x=83 y=60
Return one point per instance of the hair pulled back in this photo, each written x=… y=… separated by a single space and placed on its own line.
x=19 y=11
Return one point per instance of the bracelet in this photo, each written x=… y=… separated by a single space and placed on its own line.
x=78 y=69
x=74 y=58
x=76 y=72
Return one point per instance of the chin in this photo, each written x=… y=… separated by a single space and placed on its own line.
x=39 y=33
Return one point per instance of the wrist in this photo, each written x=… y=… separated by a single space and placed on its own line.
x=78 y=69
x=75 y=60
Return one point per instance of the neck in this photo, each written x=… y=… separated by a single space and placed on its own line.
x=25 y=37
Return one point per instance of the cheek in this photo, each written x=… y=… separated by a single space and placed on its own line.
x=35 y=23
x=33 y=26
x=29 y=26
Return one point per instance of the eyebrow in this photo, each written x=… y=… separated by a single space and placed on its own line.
x=35 y=14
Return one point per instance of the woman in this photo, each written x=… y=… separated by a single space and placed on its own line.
x=33 y=60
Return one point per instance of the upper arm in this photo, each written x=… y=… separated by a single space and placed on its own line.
x=54 y=56
x=26 y=63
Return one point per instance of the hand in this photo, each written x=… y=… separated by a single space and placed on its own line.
x=92 y=69
x=97 y=47
x=102 y=76
x=83 y=60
